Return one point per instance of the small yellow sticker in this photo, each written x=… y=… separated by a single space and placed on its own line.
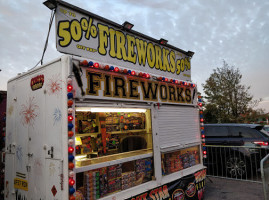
x=20 y=184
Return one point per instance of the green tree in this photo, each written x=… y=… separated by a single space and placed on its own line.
x=226 y=97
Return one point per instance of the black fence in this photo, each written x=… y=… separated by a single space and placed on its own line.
x=235 y=162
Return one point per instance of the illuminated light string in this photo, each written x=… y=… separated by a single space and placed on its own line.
x=91 y=64
x=71 y=181
x=72 y=198
x=70 y=119
x=69 y=88
x=200 y=104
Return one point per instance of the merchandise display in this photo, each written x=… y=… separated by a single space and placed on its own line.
x=143 y=170
x=179 y=160
x=128 y=180
x=101 y=182
x=114 y=178
x=104 y=134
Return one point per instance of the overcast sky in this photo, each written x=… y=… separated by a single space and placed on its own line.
x=216 y=30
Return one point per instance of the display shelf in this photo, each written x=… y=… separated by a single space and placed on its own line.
x=86 y=134
x=184 y=172
x=81 y=154
x=87 y=164
x=113 y=149
x=127 y=131
x=112 y=132
x=133 y=191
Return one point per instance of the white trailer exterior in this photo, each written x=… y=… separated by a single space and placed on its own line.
x=37 y=139
x=49 y=153
x=35 y=134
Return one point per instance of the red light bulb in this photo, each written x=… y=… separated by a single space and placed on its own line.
x=125 y=71
x=204 y=152
x=70 y=118
x=71 y=182
x=70 y=149
x=96 y=65
x=200 y=104
x=69 y=88
x=201 y=120
x=166 y=79
x=133 y=73
x=140 y=74
x=176 y=81
x=203 y=136
x=147 y=76
x=116 y=69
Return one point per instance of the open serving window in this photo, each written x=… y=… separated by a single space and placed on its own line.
x=106 y=134
x=118 y=143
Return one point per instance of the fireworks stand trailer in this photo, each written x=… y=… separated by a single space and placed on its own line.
x=118 y=118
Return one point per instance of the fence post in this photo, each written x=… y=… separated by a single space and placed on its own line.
x=265 y=176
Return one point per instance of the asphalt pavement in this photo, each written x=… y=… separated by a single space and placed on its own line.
x=228 y=189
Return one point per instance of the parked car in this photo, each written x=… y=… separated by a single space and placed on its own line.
x=266 y=128
x=235 y=149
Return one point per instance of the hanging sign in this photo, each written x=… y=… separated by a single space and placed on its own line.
x=84 y=34
x=107 y=85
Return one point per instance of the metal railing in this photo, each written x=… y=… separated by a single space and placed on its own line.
x=235 y=162
x=265 y=176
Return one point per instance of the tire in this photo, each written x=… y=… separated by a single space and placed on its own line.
x=236 y=166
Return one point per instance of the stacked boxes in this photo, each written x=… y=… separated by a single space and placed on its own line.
x=91 y=183
x=176 y=161
x=190 y=159
x=140 y=170
x=143 y=169
x=173 y=162
x=185 y=160
x=128 y=180
x=148 y=170
x=114 y=178
x=104 y=181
